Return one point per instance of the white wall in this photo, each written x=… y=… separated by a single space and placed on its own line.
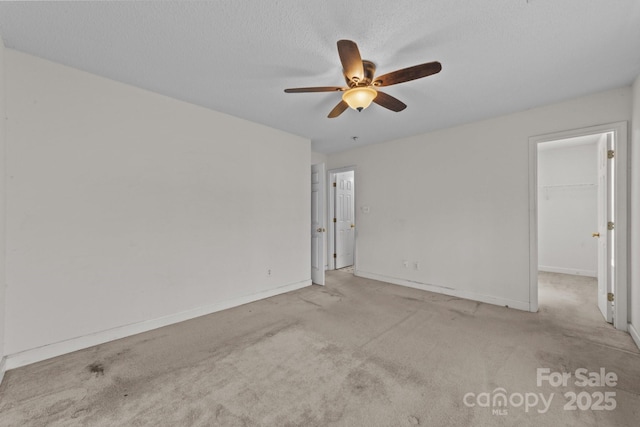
x=318 y=158
x=456 y=200
x=125 y=206
x=567 y=209
x=2 y=212
x=634 y=298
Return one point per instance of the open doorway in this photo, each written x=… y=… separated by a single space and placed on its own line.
x=573 y=207
x=341 y=234
x=578 y=221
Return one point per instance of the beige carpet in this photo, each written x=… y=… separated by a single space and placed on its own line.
x=354 y=353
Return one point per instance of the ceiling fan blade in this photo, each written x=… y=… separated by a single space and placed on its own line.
x=314 y=89
x=351 y=60
x=388 y=101
x=338 y=109
x=408 y=74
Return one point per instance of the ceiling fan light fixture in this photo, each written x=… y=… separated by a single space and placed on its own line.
x=359 y=98
x=359 y=75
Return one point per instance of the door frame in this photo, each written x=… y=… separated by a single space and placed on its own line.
x=620 y=131
x=331 y=229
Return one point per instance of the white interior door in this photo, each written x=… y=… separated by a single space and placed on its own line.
x=344 y=219
x=604 y=236
x=317 y=224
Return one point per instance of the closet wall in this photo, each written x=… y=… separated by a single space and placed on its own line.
x=567 y=207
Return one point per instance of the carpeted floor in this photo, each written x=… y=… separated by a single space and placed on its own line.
x=353 y=353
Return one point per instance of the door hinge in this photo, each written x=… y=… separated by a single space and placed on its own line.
x=335 y=220
x=610 y=297
x=611 y=154
x=610 y=225
x=335 y=255
x=334 y=184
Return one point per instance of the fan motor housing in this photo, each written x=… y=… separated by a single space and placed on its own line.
x=369 y=71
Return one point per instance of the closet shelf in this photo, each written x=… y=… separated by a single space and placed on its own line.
x=568 y=185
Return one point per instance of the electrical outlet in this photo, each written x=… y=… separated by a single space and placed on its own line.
x=416 y=266
x=405 y=264
x=269 y=272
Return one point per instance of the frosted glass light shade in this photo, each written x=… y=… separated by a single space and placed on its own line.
x=359 y=98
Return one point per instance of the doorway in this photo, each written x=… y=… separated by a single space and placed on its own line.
x=342 y=228
x=573 y=209
x=578 y=212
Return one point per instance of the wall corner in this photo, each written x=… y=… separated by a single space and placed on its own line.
x=633 y=307
x=3 y=193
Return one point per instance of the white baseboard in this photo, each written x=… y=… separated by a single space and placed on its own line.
x=520 y=305
x=3 y=367
x=57 y=349
x=574 y=271
x=634 y=334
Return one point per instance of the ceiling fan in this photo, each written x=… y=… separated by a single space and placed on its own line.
x=362 y=86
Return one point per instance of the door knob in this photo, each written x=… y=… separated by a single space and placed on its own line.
x=320 y=230
x=595 y=234
x=353 y=226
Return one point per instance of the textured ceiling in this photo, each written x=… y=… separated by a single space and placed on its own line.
x=498 y=56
